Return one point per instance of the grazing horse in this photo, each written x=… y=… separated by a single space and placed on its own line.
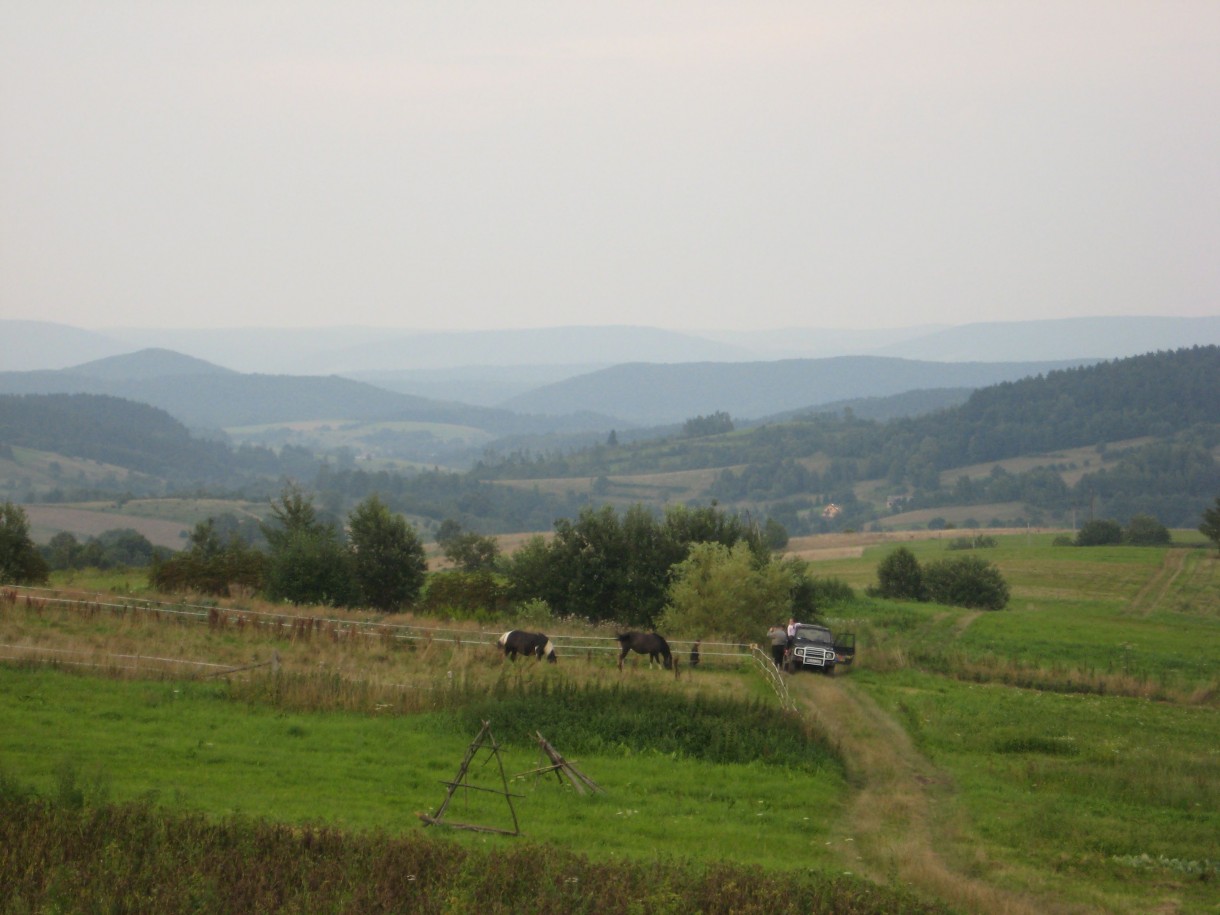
x=648 y=643
x=516 y=642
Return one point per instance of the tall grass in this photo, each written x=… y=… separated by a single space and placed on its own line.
x=134 y=858
x=205 y=747
x=1073 y=785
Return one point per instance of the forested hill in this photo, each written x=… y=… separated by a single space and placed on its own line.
x=1158 y=394
x=126 y=434
x=751 y=390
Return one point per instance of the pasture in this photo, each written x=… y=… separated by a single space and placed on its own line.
x=1058 y=756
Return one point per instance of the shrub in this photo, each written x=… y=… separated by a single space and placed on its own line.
x=466 y=595
x=966 y=581
x=1145 y=530
x=1101 y=532
x=534 y=612
x=972 y=543
x=899 y=576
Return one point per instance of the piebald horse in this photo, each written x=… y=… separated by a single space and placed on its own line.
x=534 y=644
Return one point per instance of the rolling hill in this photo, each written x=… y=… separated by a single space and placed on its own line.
x=347 y=350
x=1134 y=435
x=655 y=394
x=1150 y=425
x=205 y=396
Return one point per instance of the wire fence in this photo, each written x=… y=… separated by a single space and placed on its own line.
x=717 y=653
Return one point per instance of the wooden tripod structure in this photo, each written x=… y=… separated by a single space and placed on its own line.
x=564 y=769
x=484 y=740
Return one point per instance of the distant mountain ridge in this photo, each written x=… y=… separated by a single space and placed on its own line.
x=149 y=364
x=32 y=345
x=650 y=394
x=209 y=397
x=1059 y=339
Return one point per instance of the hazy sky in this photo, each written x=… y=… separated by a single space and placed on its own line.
x=467 y=165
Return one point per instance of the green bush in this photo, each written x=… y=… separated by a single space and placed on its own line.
x=1145 y=530
x=899 y=576
x=482 y=596
x=1100 y=532
x=982 y=542
x=966 y=581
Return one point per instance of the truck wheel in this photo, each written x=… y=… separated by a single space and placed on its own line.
x=829 y=670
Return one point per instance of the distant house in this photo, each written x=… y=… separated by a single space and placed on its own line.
x=831 y=511
x=893 y=502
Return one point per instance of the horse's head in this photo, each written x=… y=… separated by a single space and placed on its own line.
x=503 y=640
x=548 y=651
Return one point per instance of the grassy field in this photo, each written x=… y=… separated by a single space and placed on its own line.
x=1059 y=756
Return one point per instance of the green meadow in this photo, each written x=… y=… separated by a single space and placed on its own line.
x=197 y=747
x=1057 y=756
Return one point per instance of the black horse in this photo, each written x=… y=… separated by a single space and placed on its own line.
x=648 y=643
x=516 y=642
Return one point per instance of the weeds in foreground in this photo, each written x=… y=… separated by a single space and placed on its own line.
x=135 y=858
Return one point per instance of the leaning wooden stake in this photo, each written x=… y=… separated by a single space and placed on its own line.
x=564 y=769
x=485 y=739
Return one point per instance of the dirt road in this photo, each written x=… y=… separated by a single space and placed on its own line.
x=901 y=817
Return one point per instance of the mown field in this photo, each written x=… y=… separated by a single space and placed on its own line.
x=1058 y=756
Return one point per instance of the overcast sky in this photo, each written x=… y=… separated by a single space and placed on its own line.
x=471 y=165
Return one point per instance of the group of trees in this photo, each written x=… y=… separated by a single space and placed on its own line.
x=1142 y=530
x=113 y=549
x=694 y=569
x=689 y=570
x=607 y=566
x=966 y=581
x=377 y=560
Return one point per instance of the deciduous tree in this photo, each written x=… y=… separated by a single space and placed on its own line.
x=723 y=590
x=20 y=561
x=1210 y=528
x=966 y=581
x=1099 y=532
x=307 y=564
x=899 y=576
x=1145 y=530
x=387 y=557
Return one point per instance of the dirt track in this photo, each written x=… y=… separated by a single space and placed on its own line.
x=901 y=815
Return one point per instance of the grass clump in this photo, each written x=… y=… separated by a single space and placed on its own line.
x=617 y=719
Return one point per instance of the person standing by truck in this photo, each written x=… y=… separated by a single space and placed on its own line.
x=779 y=644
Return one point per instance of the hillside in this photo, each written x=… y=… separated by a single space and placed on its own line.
x=136 y=447
x=1136 y=435
x=205 y=396
x=750 y=390
x=1066 y=338
x=148 y=365
x=794 y=469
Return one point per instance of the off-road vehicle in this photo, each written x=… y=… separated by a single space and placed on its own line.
x=815 y=648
